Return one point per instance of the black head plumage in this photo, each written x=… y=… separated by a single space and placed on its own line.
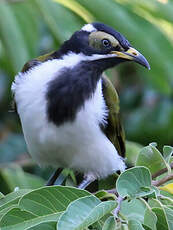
x=105 y=28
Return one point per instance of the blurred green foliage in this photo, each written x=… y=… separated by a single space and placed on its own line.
x=31 y=28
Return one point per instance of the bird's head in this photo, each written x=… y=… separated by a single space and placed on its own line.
x=103 y=45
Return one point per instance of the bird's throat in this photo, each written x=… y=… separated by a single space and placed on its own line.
x=69 y=90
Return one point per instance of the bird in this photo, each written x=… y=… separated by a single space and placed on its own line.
x=69 y=110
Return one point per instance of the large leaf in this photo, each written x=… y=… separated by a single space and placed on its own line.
x=16 y=48
x=40 y=206
x=150 y=219
x=84 y=212
x=45 y=226
x=134 y=209
x=27 y=18
x=46 y=200
x=151 y=158
x=169 y=216
x=134 y=182
x=77 y=8
x=23 y=220
x=162 y=222
x=53 y=13
x=12 y=198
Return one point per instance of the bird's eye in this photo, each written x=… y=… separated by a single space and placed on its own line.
x=106 y=43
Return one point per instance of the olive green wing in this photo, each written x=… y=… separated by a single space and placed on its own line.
x=34 y=62
x=113 y=130
x=28 y=65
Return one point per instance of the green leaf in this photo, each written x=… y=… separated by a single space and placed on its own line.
x=99 y=224
x=132 y=152
x=5 y=210
x=15 y=177
x=134 y=209
x=91 y=210
x=151 y=158
x=46 y=200
x=53 y=13
x=1 y=195
x=109 y=224
x=40 y=206
x=104 y=195
x=135 y=225
x=161 y=219
x=134 y=182
x=167 y=153
x=18 y=54
x=78 y=9
x=23 y=220
x=45 y=226
x=154 y=203
x=169 y=216
x=166 y=200
x=23 y=12
x=12 y=198
x=168 y=188
x=108 y=182
x=150 y=219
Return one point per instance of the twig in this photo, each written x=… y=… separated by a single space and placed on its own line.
x=161 y=171
x=119 y=201
x=113 y=191
x=163 y=180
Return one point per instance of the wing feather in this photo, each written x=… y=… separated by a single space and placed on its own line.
x=114 y=130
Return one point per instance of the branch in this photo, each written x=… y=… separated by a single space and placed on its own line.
x=119 y=201
x=161 y=171
x=163 y=180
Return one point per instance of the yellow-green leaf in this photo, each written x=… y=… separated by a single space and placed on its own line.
x=167 y=188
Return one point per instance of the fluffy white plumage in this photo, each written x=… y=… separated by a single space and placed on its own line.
x=80 y=144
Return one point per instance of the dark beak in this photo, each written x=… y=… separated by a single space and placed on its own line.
x=132 y=55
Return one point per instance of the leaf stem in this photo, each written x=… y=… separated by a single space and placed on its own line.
x=163 y=180
x=119 y=201
x=161 y=171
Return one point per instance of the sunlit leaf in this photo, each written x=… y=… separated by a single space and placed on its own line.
x=77 y=8
x=53 y=13
x=167 y=187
